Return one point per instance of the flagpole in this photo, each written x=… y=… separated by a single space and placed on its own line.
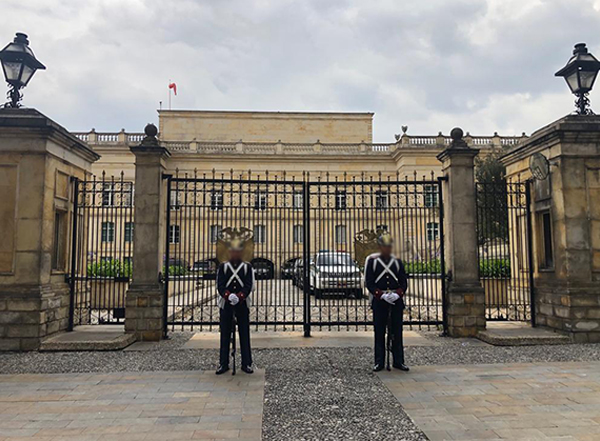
x=169 y=93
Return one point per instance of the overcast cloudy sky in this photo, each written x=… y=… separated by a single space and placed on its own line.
x=486 y=65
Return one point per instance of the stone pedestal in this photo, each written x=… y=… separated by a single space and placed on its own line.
x=567 y=204
x=465 y=300
x=38 y=159
x=144 y=311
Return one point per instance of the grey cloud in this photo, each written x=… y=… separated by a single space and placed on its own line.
x=430 y=64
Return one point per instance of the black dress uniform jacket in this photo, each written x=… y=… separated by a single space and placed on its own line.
x=235 y=278
x=381 y=275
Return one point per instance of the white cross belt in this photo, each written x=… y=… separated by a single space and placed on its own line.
x=234 y=274
x=386 y=269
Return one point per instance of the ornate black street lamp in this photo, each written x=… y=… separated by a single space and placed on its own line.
x=580 y=74
x=19 y=64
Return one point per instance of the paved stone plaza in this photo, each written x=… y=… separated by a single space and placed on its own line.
x=123 y=406
x=520 y=401
x=317 y=389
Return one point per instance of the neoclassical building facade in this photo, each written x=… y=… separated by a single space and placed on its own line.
x=283 y=147
x=277 y=142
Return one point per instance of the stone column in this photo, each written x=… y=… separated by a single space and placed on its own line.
x=566 y=223
x=38 y=160
x=465 y=295
x=145 y=298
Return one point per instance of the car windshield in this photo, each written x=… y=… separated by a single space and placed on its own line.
x=334 y=259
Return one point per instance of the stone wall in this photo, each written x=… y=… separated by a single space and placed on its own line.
x=182 y=125
x=29 y=313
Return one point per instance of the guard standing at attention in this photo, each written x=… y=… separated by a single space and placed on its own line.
x=386 y=281
x=235 y=282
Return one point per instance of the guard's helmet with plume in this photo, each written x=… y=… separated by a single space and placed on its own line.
x=385 y=239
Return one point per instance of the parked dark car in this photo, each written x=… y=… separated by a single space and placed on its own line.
x=287 y=269
x=264 y=269
x=297 y=273
x=206 y=268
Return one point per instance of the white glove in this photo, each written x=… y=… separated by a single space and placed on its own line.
x=392 y=297
x=234 y=299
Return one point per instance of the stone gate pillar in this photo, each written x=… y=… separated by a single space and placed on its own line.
x=38 y=161
x=465 y=295
x=144 y=300
x=566 y=223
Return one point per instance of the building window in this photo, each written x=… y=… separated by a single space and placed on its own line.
x=298 y=233
x=433 y=231
x=298 y=200
x=431 y=195
x=216 y=200
x=175 y=200
x=547 y=248
x=340 y=200
x=260 y=200
x=381 y=228
x=108 y=231
x=128 y=232
x=260 y=234
x=215 y=233
x=60 y=241
x=340 y=234
x=108 y=195
x=382 y=200
x=127 y=194
x=174 y=234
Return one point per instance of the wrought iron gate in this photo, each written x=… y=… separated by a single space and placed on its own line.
x=310 y=237
x=504 y=234
x=101 y=250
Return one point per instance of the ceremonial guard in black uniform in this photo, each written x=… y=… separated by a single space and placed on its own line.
x=235 y=282
x=386 y=282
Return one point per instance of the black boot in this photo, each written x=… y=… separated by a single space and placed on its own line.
x=248 y=369
x=401 y=366
x=222 y=369
x=378 y=367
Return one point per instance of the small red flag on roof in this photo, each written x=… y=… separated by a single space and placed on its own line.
x=174 y=87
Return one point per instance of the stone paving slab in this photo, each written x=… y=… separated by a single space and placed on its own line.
x=318 y=339
x=89 y=338
x=520 y=334
x=545 y=401
x=131 y=406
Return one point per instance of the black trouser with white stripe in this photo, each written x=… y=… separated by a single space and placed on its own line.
x=381 y=310
x=242 y=314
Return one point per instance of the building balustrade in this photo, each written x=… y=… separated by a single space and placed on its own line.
x=440 y=141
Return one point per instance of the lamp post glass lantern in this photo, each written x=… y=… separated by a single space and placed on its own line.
x=580 y=74
x=19 y=64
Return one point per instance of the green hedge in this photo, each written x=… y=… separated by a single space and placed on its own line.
x=427 y=267
x=176 y=270
x=109 y=268
x=494 y=268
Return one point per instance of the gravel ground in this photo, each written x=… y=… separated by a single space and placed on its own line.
x=311 y=393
